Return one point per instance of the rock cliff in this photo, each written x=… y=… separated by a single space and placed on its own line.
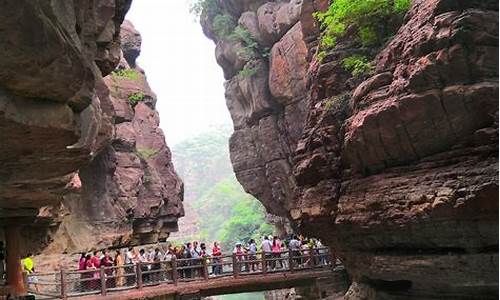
x=397 y=169
x=84 y=163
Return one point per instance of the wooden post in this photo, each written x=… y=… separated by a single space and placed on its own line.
x=15 y=278
x=64 y=284
x=102 y=276
x=264 y=265
x=235 y=266
x=205 y=268
x=175 y=274
x=138 y=274
x=290 y=259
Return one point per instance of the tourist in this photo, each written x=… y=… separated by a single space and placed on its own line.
x=216 y=253
x=156 y=265
x=195 y=255
x=306 y=253
x=130 y=260
x=143 y=259
x=203 y=250
x=107 y=264
x=295 y=245
x=81 y=262
x=195 y=251
x=169 y=254
x=29 y=267
x=96 y=260
x=285 y=255
x=186 y=254
x=276 y=251
x=266 y=248
x=120 y=279
x=252 y=255
x=92 y=264
x=81 y=268
x=238 y=252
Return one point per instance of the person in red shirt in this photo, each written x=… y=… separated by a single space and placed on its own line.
x=216 y=252
x=96 y=261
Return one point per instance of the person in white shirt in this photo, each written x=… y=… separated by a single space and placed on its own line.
x=143 y=258
x=267 y=250
x=295 y=245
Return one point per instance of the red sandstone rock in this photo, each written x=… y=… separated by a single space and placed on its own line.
x=399 y=173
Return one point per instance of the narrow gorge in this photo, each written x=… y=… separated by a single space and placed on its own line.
x=386 y=150
x=84 y=163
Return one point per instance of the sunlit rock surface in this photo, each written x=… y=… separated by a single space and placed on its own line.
x=400 y=176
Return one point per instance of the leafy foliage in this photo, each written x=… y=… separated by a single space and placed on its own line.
x=208 y=7
x=135 y=98
x=146 y=153
x=223 y=25
x=226 y=213
x=248 y=71
x=402 y=6
x=126 y=73
x=367 y=15
x=250 y=48
x=357 y=65
x=234 y=215
x=336 y=104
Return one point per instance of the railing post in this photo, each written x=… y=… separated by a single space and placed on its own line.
x=175 y=274
x=64 y=284
x=138 y=272
x=264 y=264
x=25 y=281
x=205 y=267
x=235 y=266
x=290 y=260
x=102 y=276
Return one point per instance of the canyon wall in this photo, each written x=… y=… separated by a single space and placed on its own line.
x=396 y=170
x=84 y=163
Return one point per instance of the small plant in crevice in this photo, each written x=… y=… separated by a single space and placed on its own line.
x=248 y=71
x=321 y=55
x=223 y=25
x=358 y=65
x=147 y=179
x=251 y=49
x=146 y=153
x=135 y=98
x=126 y=73
x=336 y=104
x=368 y=17
x=208 y=7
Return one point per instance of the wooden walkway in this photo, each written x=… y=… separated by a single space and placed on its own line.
x=219 y=286
x=201 y=277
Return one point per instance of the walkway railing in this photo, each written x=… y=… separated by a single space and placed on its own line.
x=106 y=280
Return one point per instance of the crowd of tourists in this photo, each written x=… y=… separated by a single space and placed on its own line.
x=305 y=252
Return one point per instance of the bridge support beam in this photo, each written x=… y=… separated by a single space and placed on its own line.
x=15 y=279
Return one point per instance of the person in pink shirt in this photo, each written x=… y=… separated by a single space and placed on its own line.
x=96 y=260
x=81 y=262
x=276 y=250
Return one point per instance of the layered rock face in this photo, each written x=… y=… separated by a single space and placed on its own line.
x=130 y=192
x=84 y=163
x=397 y=171
x=50 y=113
